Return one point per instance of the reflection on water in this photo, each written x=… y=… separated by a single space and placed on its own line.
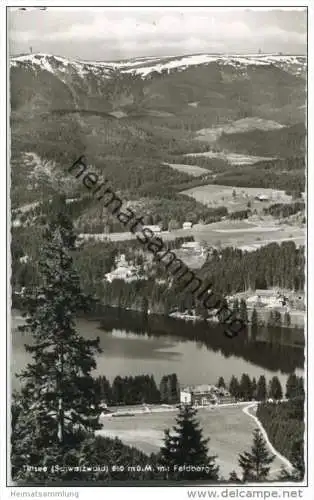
x=133 y=344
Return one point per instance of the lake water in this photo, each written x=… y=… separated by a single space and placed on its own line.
x=133 y=345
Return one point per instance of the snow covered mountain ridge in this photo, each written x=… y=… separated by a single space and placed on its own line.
x=147 y=66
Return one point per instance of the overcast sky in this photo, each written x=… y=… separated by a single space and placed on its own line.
x=118 y=33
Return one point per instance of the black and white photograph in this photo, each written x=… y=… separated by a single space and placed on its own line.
x=157 y=247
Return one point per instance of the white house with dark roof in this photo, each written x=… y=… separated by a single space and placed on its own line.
x=204 y=395
x=262 y=197
x=124 y=271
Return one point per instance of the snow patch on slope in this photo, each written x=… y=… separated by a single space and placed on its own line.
x=144 y=66
x=56 y=64
x=236 y=61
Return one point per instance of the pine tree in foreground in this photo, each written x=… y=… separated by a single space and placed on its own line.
x=187 y=447
x=256 y=463
x=57 y=407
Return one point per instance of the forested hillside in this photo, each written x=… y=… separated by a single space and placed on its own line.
x=284 y=424
x=129 y=124
x=285 y=142
x=272 y=265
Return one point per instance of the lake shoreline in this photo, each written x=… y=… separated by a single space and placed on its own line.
x=160 y=344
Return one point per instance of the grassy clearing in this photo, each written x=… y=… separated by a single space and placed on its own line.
x=230 y=431
x=235 y=159
x=241 y=234
x=236 y=198
x=193 y=170
x=248 y=235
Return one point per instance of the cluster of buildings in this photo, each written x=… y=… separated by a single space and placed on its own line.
x=157 y=229
x=262 y=197
x=194 y=247
x=105 y=236
x=271 y=299
x=267 y=301
x=124 y=271
x=129 y=272
x=92 y=237
x=267 y=298
x=205 y=395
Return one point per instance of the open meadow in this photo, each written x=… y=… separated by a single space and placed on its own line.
x=193 y=170
x=229 y=428
x=236 y=198
x=247 y=235
x=235 y=159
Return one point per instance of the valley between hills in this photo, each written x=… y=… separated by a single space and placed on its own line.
x=208 y=140
x=210 y=150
